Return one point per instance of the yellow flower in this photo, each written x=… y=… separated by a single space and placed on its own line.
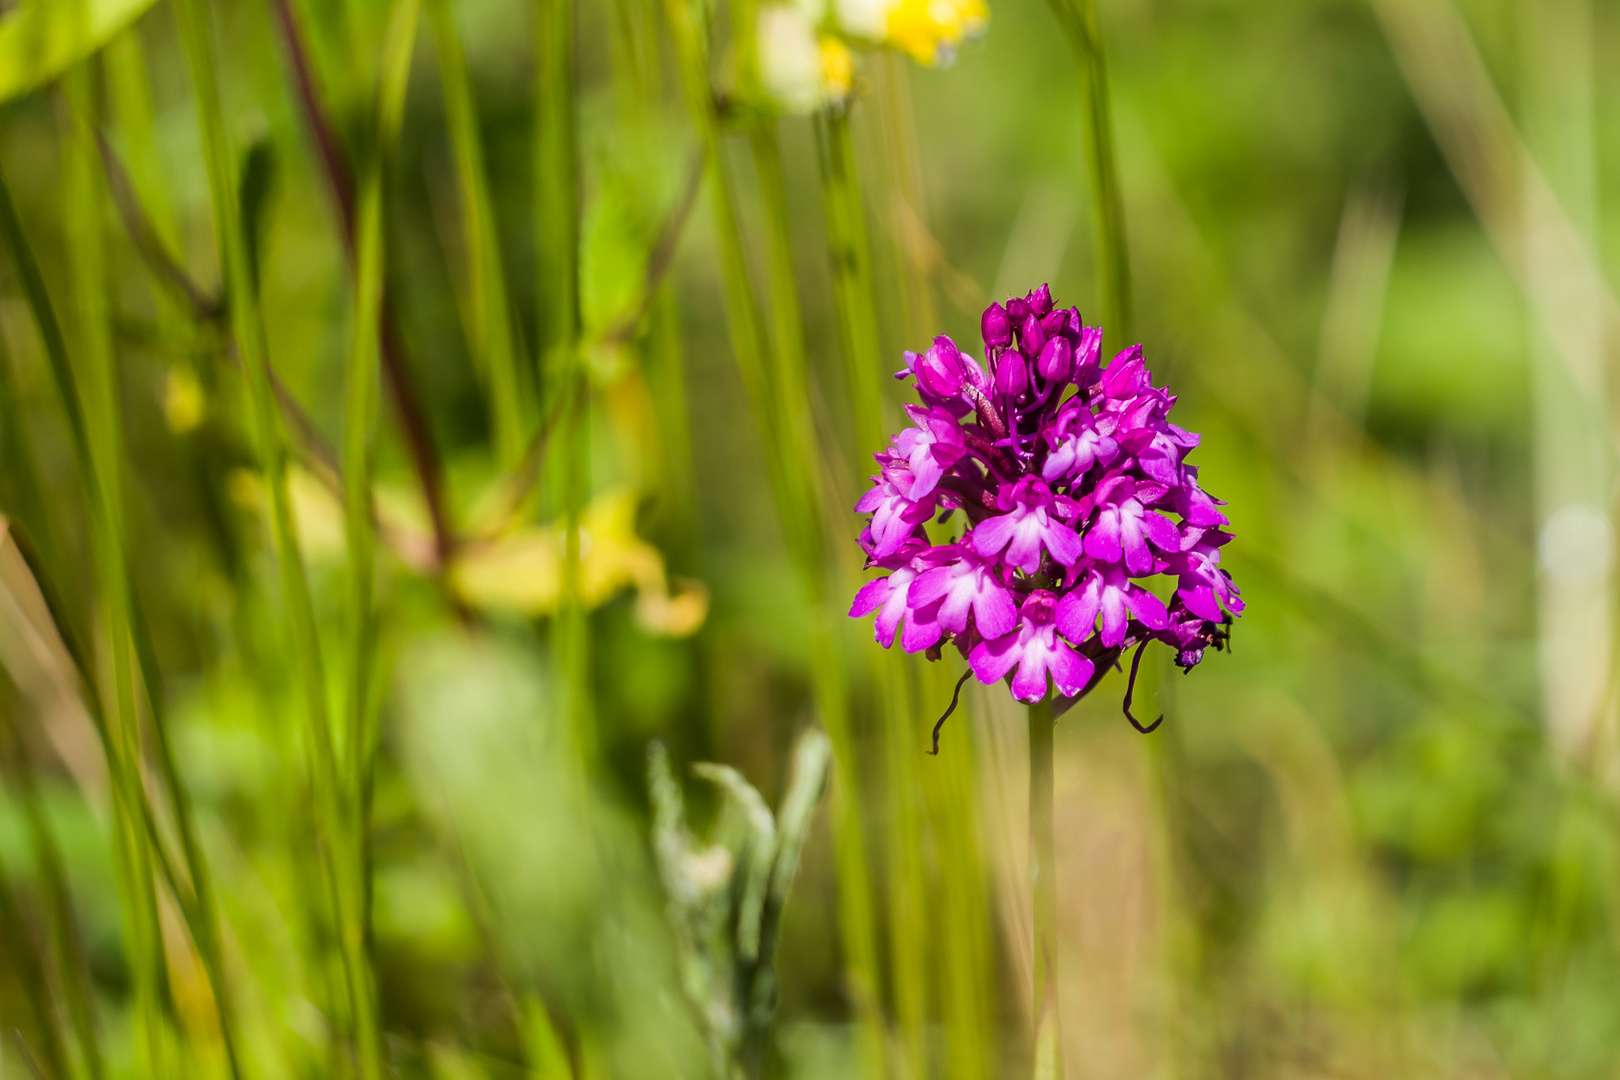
x=800 y=68
x=521 y=572
x=837 y=68
x=926 y=30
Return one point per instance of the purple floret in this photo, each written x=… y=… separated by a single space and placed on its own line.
x=1077 y=497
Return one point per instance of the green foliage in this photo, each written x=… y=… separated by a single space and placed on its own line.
x=40 y=40
x=277 y=800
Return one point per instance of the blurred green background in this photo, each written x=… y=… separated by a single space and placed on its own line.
x=1369 y=250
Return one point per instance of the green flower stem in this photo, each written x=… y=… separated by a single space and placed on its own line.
x=64 y=929
x=666 y=380
x=788 y=426
x=183 y=889
x=793 y=431
x=96 y=386
x=49 y=577
x=790 y=467
x=408 y=409
x=129 y=98
x=21 y=484
x=789 y=372
x=359 y=453
x=1079 y=21
x=339 y=842
x=573 y=626
x=489 y=315
x=1043 y=892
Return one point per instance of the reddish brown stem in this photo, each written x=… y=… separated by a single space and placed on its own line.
x=333 y=161
x=396 y=373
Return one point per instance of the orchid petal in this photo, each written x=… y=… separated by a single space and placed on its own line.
x=991 y=660
x=1102 y=542
x=1070 y=671
x=993 y=611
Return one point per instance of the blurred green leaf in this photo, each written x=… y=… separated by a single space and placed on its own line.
x=43 y=38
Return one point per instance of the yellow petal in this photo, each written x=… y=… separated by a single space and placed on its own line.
x=520 y=573
x=675 y=615
x=837 y=68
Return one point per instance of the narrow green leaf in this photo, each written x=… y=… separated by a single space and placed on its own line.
x=812 y=757
x=759 y=849
x=41 y=40
x=489 y=312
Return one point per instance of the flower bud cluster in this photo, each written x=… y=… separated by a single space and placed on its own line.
x=1074 y=486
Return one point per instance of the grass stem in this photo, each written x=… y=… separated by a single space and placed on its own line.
x=337 y=835
x=910 y=921
x=413 y=422
x=556 y=194
x=905 y=204
x=489 y=319
x=852 y=280
x=1080 y=24
x=25 y=955
x=564 y=377
x=96 y=386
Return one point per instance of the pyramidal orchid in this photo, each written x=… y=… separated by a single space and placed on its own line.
x=1076 y=497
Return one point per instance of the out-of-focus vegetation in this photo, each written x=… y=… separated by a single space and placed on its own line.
x=600 y=334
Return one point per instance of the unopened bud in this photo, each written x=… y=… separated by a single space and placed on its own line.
x=996 y=327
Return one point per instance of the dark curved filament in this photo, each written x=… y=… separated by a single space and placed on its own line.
x=1136 y=661
x=954 y=696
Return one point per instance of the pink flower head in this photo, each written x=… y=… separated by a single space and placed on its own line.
x=1076 y=493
